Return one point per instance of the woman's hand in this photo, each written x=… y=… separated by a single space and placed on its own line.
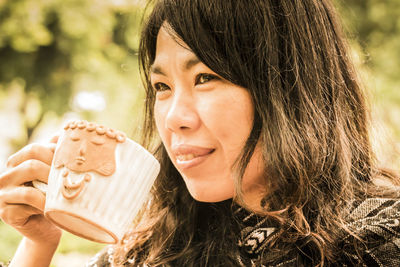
x=22 y=205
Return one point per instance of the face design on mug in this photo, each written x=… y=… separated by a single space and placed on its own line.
x=86 y=147
x=83 y=151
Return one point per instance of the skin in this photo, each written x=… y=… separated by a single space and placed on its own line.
x=22 y=206
x=196 y=107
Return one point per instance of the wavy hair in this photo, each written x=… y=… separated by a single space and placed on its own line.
x=310 y=117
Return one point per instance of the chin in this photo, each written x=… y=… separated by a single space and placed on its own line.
x=211 y=194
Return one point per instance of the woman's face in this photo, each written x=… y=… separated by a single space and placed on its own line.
x=203 y=121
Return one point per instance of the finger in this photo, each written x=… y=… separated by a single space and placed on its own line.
x=42 y=152
x=55 y=138
x=40 y=185
x=27 y=171
x=23 y=195
x=18 y=215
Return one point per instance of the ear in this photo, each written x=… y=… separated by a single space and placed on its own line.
x=106 y=169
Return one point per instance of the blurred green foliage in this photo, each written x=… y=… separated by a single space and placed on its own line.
x=70 y=244
x=9 y=239
x=50 y=52
x=53 y=50
x=373 y=28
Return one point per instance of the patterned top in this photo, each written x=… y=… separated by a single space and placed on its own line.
x=376 y=220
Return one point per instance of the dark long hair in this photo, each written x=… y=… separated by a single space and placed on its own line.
x=311 y=119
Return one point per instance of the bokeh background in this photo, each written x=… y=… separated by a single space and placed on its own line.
x=69 y=59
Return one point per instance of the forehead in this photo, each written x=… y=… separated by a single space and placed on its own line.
x=166 y=33
x=83 y=133
x=171 y=48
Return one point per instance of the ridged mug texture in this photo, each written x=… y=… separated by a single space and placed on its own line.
x=107 y=205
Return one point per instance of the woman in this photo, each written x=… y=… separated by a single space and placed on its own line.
x=264 y=147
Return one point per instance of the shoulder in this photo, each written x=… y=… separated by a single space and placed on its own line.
x=375 y=223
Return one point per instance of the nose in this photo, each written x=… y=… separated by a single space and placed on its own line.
x=82 y=148
x=182 y=114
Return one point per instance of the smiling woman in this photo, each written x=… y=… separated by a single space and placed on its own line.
x=263 y=142
x=203 y=120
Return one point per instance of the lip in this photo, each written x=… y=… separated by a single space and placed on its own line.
x=201 y=154
x=80 y=160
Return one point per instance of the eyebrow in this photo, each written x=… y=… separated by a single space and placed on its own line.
x=190 y=63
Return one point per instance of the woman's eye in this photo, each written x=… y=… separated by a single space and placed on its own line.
x=159 y=87
x=205 y=77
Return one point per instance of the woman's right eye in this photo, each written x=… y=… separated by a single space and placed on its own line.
x=159 y=87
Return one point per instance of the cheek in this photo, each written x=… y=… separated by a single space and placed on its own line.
x=230 y=120
x=158 y=118
x=93 y=151
x=160 y=113
x=73 y=147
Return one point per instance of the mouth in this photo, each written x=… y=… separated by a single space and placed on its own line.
x=71 y=189
x=80 y=160
x=190 y=156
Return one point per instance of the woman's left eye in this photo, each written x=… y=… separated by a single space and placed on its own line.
x=205 y=77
